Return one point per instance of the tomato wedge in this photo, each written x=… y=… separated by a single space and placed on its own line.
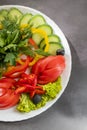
x=4 y=98
x=49 y=69
x=7 y=96
x=9 y=99
x=2 y=91
x=6 y=82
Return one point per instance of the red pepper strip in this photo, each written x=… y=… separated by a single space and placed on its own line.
x=24 y=88
x=32 y=94
x=32 y=79
x=20 y=90
x=36 y=91
x=32 y=42
x=29 y=78
x=39 y=87
x=16 y=75
x=21 y=81
x=24 y=75
x=29 y=87
x=18 y=68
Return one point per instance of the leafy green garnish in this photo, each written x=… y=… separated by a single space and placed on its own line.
x=27 y=51
x=10 y=58
x=2 y=42
x=41 y=52
x=12 y=39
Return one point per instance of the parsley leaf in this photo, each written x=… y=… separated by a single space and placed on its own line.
x=10 y=58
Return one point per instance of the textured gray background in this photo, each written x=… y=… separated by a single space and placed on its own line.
x=70 y=111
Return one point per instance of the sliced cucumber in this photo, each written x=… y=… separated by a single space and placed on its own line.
x=4 y=12
x=25 y=19
x=15 y=14
x=42 y=44
x=54 y=46
x=37 y=20
x=54 y=38
x=37 y=38
x=45 y=27
x=51 y=38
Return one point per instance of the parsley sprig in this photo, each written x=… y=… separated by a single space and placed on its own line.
x=11 y=37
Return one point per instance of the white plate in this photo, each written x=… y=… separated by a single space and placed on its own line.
x=13 y=115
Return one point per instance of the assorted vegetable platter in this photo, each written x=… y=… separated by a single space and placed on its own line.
x=35 y=62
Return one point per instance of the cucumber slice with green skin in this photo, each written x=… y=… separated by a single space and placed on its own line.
x=51 y=38
x=42 y=44
x=54 y=46
x=45 y=27
x=4 y=12
x=14 y=14
x=37 y=38
x=54 y=38
x=37 y=20
x=25 y=19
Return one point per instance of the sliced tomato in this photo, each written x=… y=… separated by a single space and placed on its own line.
x=49 y=75
x=2 y=91
x=9 y=99
x=5 y=96
x=49 y=69
x=37 y=66
x=6 y=82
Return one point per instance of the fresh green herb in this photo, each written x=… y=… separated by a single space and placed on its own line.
x=10 y=58
x=12 y=41
x=26 y=32
x=2 y=42
x=41 y=52
x=28 y=51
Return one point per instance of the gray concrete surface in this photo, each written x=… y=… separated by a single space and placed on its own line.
x=70 y=111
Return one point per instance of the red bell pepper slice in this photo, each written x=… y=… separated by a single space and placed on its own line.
x=36 y=91
x=24 y=88
x=28 y=78
x=20 y=90
x=32 y=94
x=17 y=68
x=32 y=42
x=16 y=75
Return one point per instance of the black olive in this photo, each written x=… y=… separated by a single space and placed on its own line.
x=36 y=99
x=60 y=52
